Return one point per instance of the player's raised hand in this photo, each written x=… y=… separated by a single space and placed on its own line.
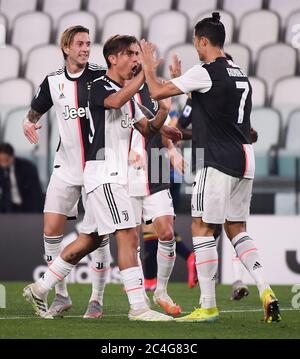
x=175 y=67
x=148 y=56
x=30 y=131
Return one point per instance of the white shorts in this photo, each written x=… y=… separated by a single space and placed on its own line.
x=153 y=206
x=218 y=196
x=62 y=197
x=108 y=208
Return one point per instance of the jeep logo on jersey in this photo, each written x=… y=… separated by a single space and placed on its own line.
x=73 y=113
x=127 y=122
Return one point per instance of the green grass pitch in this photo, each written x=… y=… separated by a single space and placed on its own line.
x=237 y=319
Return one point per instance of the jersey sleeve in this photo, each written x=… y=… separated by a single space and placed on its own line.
x=195 y=79
x=42 y=101
x=138 y=113
x=99 y=91
x=186 y=116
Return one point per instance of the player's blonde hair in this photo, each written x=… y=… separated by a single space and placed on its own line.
x=68 y=36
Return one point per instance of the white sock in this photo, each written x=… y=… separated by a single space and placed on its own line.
x=53 y=247
x=138 y=253
x=237 y=268
x=99 y=270
x=166 y=255
x=142 y=271
x=134 y=287
x=246 y=250
x=56 y=272
x=207 y=265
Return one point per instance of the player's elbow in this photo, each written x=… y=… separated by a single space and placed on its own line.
x=114 y=103
x=156 y=95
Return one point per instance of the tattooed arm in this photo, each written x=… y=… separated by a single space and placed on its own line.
x=30 y=126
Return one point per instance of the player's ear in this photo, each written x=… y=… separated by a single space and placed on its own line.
x=66 y=50
x=205 y=41
x=112 y=59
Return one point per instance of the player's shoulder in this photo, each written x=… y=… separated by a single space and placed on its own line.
x=96 y=69
x=218 y=63
x=57 y=72
x=234 y=70
x=105 y=82
x=223 y=65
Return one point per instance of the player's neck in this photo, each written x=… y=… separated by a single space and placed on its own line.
x=213 y=54
x=74 y=68
x=115 y=76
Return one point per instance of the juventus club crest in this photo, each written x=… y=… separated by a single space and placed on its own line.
x=126 y=216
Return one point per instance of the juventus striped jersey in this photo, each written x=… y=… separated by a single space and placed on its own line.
x=221 y=102
x=69 y=96
x=111 y=129
x=153 y=176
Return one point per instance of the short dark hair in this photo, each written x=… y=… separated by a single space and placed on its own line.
x=212 y=28
x=116 y=44
x=7 y=149
x=68 y=36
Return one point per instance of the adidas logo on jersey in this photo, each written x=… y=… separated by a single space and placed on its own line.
x=73 y=113
x=256 y=265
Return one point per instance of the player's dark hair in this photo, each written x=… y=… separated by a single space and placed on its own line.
x=211 y=28
x=68 y=36
x=7 y=149
x=117 y=44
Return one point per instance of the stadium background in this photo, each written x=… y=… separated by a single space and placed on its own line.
x=263 y=36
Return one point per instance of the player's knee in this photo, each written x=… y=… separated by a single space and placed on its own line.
x=167 y=235
x=232 y=229
x=52 y=231
x=54 y=224
x=202 y=229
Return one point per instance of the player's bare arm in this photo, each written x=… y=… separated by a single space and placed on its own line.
x=170 y=133
x=119 y=98
x=150 y=127
x=158 y=90
x=30 y=126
